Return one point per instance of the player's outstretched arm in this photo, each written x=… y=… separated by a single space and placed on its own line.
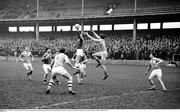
x=95 y=34
x=70 y=65
x=97 y=40
x=44 y=56
x=148 y=69
x=79 y=33
x=74 y=57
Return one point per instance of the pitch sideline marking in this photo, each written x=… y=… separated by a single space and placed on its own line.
x=100 y=98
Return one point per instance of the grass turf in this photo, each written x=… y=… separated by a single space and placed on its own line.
x=126 y=88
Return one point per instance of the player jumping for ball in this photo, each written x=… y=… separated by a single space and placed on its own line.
x=79 y=51
x=58 y=69
x=26 y=57
x=156 y=72
x=102 y=54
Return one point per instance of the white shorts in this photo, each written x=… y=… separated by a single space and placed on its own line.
x=59 y=71
x=156 y=72
x=77 y=65
x=28 y=66
x=46 y=68
x=81 y=67
x=102 y=54
x=79 y=52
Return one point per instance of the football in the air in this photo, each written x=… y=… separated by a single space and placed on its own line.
x=77 y=26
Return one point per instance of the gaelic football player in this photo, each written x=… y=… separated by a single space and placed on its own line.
x=26 y=57
x=46 y=59
x=79 y=51
x=103 y=52
x=58 y=69
x=156 y=72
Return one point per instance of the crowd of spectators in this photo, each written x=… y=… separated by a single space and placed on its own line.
x=119 y=44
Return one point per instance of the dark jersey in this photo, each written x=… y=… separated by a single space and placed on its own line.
x=47 y=59
x=83 y=58
x=80 y=42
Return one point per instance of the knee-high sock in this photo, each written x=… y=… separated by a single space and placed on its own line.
x=104 y=69
x=151 y=82
x=51 y=82
x=70 y=82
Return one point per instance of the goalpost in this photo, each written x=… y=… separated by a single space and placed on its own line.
x=82 y=14
x=37 y=24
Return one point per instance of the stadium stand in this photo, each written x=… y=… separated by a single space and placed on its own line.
x=119 y=44
x=26 y=9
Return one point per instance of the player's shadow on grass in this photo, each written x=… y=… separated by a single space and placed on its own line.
x=57 y=93
x=88 y=84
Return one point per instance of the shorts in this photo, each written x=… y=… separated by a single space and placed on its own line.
x=28 y=66
x=59 y=71
x=81 y=67
x=79 y=52
x=156 y=73
x=77 y=65
x=46 y=68
x=102 y=54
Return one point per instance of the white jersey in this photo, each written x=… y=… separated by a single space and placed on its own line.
x=27 y=55
x=60 y=59
x=102 y=45
x=154 y=64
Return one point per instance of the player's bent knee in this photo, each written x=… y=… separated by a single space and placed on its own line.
x=53 y=75
x=51 y=80
x=150 y=78
x=94 y=56
x=70 y=78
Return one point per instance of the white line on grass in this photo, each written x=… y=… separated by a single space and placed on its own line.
x=100 y=98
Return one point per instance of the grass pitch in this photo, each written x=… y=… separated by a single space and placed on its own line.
x=126 y=88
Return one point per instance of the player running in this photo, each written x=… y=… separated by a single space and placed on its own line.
x=156 y=72
x=102 y=54
x=26 y=57
x=58 y=69
x=46 y=59
x=81 y=68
